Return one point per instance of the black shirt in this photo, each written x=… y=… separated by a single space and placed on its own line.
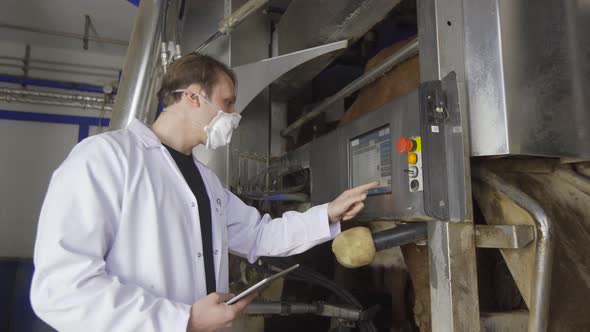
x=193 y=178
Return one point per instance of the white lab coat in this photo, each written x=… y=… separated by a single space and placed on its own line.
x=119 y=245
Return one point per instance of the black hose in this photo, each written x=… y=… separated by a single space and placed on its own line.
x=400 y=235
x=320 y=280
x=307 y=275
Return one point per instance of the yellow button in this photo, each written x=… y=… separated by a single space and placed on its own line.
x=412 y=158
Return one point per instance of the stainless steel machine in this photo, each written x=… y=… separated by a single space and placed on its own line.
x=402 y=146
x=503 y=91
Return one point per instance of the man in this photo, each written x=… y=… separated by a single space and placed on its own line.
x=134 y=233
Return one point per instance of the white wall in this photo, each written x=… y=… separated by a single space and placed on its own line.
x=29 y=157
x=31 y=151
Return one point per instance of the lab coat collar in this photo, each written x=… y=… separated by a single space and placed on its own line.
x=145 y=134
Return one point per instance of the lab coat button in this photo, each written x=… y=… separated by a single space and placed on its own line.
x=216 y=251
x=193 y=204
x=199 y=254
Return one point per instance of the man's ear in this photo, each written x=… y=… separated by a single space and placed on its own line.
x=192 y=98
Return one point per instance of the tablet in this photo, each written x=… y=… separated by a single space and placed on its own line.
x=261 y=284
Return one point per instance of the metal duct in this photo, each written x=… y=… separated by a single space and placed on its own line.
x=54 y=102
x=134 y=89
x=53 y=95
x=307 y=24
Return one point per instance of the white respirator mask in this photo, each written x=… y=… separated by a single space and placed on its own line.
x=220 y=129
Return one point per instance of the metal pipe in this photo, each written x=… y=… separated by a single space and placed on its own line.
x=400 y=235
x=400 y=56
x=53 y=102
x=239 y=15
x=139 y=64
x=83 y=87
x=281 y=308
x=286 y=309
x=64 y=34
x=171 y=21
x=152 y=98
x=58 y=63
x=62 y=96
x=164 y=56
x=170 y=48
x=229 y=23
x=541 y=290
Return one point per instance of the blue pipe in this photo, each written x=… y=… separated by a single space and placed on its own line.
x=160 y=108
x=134 y=2
x=83 y=132
x=181 y=13
x=83 y=122
x=52 y=84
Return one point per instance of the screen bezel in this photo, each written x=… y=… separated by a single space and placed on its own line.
x=349 y=157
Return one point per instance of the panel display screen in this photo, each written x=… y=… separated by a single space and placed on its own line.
x=370 y=160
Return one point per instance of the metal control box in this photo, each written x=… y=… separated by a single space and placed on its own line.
x=366 y=150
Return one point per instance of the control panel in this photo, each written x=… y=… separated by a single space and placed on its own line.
x=412 y=148
x=384 y=146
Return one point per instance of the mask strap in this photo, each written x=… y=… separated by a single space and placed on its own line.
x=210 y=104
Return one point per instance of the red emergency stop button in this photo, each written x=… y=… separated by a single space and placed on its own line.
x=406 y=145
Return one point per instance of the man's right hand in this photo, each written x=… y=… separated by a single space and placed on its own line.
x=211 y=314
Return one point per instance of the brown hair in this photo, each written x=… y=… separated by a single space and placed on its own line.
x=193 y=68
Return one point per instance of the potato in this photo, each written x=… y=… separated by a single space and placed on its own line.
x=354 y=248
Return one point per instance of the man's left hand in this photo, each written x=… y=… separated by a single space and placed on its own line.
x=349 y=203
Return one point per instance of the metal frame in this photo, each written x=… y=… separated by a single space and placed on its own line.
x=504 y=236
x=452 y=245
x=453 y=277
x=453 y=272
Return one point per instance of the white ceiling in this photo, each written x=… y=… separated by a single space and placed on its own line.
x=110 y=18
